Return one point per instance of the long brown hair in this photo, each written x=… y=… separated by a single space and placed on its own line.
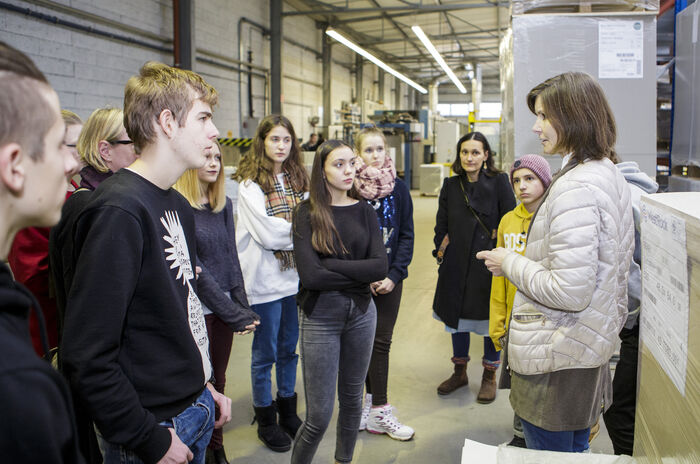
x=490 y=169
x=258 y=167
x=325 y=238
x=576 y=106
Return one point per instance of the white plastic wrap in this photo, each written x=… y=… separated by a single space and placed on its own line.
x=507 y=144
x=686 y=104
x=540 y=46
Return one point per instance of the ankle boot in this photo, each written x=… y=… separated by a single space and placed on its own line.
x=209 y=456
x=487 y=392
x=457 y=379
x=269 y=431
x=289 y=421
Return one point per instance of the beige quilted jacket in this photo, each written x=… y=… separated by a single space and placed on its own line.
x=572 y=281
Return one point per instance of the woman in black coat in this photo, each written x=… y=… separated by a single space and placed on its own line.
x=471 y=205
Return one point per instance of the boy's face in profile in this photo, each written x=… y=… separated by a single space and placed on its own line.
x=47 y=178
x=527 y=186
x=196 y=136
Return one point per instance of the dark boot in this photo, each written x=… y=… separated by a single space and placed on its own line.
x=289 y=421
x=269 y=431
x=487 y=392
x=209 y=457
x=216 y=456
x=518 y=442
x=457 y=379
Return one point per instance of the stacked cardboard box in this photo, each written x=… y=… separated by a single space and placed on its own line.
x=668 y=404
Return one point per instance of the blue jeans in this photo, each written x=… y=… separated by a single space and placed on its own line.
x=336 y=344
x=574 y=441
x=275 y=342
x=193 y=426
x=460 y=349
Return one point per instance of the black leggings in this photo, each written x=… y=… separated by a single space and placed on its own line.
x=378 y=374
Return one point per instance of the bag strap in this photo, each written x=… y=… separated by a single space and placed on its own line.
x=476 y=215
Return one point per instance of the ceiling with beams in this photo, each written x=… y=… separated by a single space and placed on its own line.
x=462 y=31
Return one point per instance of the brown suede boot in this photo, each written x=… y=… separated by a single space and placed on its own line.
x=487 y=392
x=457 y=379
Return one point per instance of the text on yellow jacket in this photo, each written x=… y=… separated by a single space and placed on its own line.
x=512 y=234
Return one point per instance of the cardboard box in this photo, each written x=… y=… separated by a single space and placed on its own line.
x=667 y=426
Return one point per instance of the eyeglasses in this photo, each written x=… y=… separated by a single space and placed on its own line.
x=120 y=142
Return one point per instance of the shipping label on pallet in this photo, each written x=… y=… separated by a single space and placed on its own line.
x=665 y=294
x=620 y=49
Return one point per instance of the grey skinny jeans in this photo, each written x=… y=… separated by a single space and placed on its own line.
x=335 y=344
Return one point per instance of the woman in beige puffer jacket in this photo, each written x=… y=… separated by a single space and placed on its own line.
x=572 y=281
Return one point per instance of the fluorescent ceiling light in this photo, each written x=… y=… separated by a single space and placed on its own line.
x=361 y=51
x=433 y=51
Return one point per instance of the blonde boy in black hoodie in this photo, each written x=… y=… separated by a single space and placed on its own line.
x=135 y=345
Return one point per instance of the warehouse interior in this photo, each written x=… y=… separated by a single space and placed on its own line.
x=335 y=66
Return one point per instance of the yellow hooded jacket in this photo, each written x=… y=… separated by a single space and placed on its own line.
x=512 y=234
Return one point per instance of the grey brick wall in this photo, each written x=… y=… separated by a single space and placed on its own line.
x=89 y=71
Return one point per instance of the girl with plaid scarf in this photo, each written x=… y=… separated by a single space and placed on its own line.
x=272 y=182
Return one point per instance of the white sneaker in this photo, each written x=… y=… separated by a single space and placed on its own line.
x=382 y=420
x=365 y=411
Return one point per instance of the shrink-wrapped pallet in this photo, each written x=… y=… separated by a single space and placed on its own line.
x=582 y=6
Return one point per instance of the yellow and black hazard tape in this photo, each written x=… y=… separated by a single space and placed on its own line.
x=237 y=142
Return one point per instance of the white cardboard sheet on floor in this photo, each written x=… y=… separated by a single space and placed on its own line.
x=475 y=452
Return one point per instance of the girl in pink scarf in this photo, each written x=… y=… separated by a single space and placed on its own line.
x=376 y=175
x=376 y=182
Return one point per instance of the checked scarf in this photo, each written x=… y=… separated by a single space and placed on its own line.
x=374 y=183
x=280 y=202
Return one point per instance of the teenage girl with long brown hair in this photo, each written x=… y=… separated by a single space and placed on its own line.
x=272 y=182
x=339 y=251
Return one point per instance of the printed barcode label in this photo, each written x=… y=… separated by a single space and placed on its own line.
x=677 y=284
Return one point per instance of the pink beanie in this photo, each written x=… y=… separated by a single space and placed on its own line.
x=536 y=164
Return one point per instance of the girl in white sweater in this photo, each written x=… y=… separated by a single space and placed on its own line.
x=272 y=182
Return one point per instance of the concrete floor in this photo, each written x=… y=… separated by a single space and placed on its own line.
x=420 y=360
